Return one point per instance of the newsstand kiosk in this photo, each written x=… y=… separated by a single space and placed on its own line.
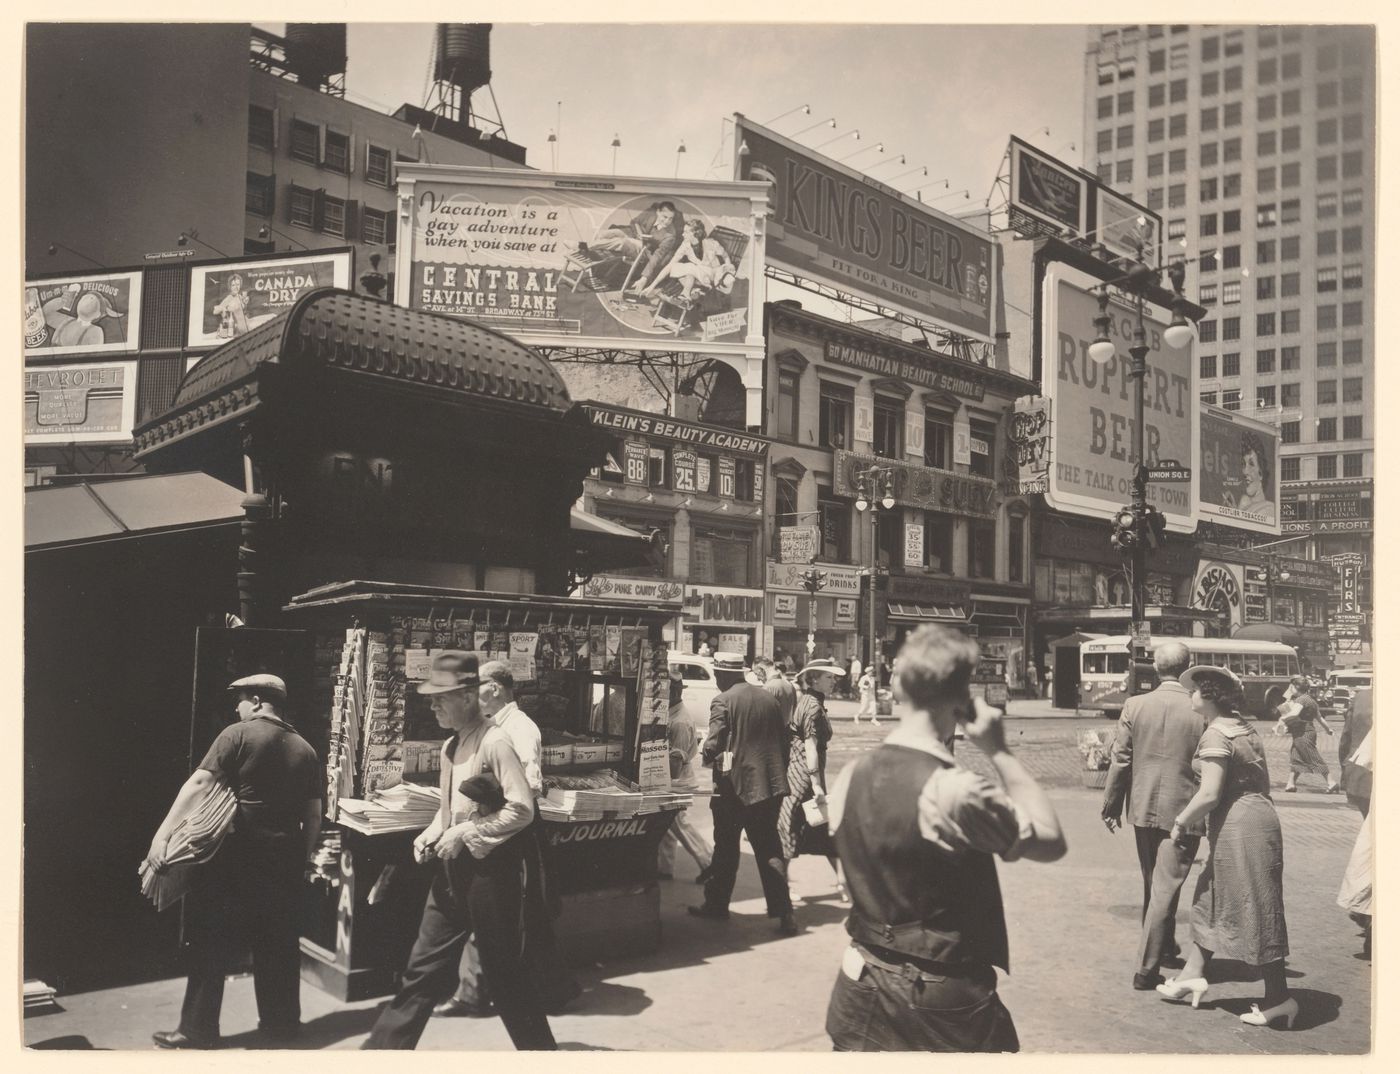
x=411 y=485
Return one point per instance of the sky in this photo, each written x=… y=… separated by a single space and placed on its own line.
x=945 y=97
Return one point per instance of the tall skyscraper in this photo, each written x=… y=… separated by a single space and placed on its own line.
x=1257 y=146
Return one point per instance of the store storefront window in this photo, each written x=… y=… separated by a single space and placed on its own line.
x=938 y=439
x=981 y=549
x=722 y=557
x=835 y=519
x=938 y=541
x=889 y=428
x=837 y=404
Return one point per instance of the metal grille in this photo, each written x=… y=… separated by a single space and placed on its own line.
x=156 y=385
x=163 y=308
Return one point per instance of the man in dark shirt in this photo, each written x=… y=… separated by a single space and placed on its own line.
x=748 y=747
x=249 y=894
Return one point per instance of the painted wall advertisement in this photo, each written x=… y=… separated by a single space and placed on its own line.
x=840 y=580
x=913 y=544
x=79 y=403
x=833 y=224
x=1239 y=472
x=1219 y=587
x=797 y=544
x=98 y=314
x=231 y=298
x=570 y=259
x=1026 y=462
x=1092 y=436
x=642 y=590
x=923 y=487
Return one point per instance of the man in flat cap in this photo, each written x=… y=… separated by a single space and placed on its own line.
x=249 y=895
x=478 y=884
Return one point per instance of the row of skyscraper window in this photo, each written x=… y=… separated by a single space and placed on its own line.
x=1328 y=94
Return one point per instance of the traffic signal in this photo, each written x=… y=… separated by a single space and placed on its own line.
x=1125 y=536
x=1156 y=529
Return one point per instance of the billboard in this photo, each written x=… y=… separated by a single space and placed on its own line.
x=576 y=261
x=833 y=224
x=1026 y=458
x=67 y=404
x=1048 y=197
x=1091 y=471
x=1239 y=471
x=1051 y=197
x=232 y=297
x=97 y=314
x=1219 y=588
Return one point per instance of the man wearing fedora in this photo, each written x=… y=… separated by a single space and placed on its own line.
x=478 y=884
x=250 y=892
x=748 y=748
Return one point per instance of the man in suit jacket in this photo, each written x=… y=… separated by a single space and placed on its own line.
x=1356 y=779
x=1157 y=737
x=747 y=726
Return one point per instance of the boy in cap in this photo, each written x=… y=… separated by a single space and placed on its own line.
x=252 y=887
x=478 y=886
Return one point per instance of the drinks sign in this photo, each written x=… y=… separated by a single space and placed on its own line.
x=98 y=314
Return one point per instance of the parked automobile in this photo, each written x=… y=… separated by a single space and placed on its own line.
x=1340 y=699
x=702 y=677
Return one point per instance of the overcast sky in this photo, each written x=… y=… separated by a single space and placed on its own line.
x=945 y=97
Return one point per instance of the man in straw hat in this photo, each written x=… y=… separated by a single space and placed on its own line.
x=252 y=887
x=479 y=885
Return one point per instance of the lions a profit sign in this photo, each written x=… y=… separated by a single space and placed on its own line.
x=1092 y=464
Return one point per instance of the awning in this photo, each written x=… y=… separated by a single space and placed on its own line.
x=603 y=545
x=59 y=516
x=927 y=613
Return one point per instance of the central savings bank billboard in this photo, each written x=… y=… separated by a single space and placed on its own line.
x=586 y=260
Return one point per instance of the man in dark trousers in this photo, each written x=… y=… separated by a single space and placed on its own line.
x=1151 y=768
x=747 y=748
x=251 y=890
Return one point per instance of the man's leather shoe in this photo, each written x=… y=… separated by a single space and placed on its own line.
x=1146 y=982
x=714 y=913
x=175 y=1039
x=455 y=1008
x=787 y=925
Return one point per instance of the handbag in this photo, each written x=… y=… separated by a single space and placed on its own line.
x=815 y=812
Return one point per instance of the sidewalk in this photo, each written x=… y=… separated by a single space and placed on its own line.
x=1073 y=929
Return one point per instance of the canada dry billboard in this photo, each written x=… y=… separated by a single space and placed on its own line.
x=574 y=260
x=98 y=314
x=833 y=224
x=1091 y=471
x=1239 y=471
x=233 y=297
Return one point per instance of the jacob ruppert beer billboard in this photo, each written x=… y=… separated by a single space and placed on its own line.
x=1092 y=465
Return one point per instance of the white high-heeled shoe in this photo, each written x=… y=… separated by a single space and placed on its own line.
x=1176 y=990
x=1288 y=1009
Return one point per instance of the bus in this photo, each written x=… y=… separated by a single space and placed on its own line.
x=1263 y=666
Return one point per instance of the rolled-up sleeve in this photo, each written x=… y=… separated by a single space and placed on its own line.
x=484 y=834
x=960 y=810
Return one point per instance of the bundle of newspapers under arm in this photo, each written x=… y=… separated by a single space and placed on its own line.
x=192 y=843
x=602 y=796
x=403 y=807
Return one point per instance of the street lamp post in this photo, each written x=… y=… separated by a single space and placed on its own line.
x=1274 y=572
x=868 y=482
x=814 y=581
x=1140 y=524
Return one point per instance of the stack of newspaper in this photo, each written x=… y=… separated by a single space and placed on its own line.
x=37 y=994
x=589 y=797
x=193 y=842
x=401 y=808
x=655 y=802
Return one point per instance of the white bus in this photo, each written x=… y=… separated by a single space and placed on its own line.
x=1263 y=666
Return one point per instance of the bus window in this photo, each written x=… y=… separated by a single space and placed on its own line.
x=1252 y=664
x=1268 y=665
x=1218 y=659
x=1093 y=663
x=1292 y=664
x=1237 y=663
x=1117 y=663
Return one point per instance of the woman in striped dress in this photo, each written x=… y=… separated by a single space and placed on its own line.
x=1238 y=909
x=811 y=731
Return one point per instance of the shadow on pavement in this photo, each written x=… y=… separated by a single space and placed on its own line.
x=1225 y=969
x=72 y=1043
x=578 y=1046
x=607 y=998
x=318 y=1033
x=1315 y=1008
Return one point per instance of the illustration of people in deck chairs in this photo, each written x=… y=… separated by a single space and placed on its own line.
x=645 y=246
x=700 y=276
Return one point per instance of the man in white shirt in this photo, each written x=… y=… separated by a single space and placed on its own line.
x=497 y=697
